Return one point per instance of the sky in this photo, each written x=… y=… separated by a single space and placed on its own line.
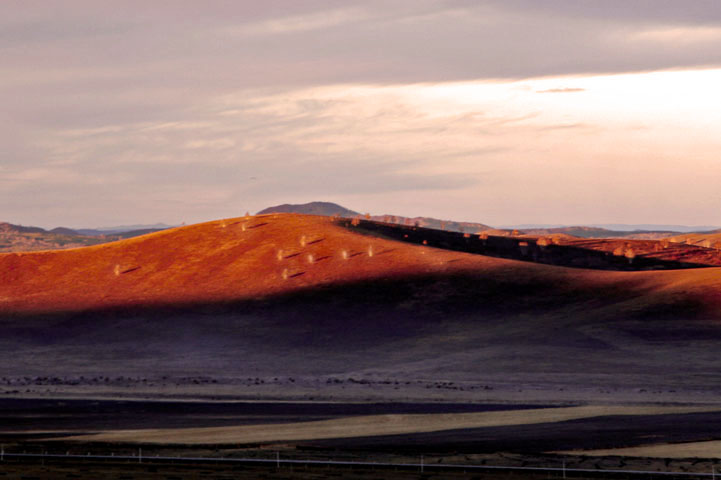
x=496 y=111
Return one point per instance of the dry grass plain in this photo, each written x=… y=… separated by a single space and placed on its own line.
x=374 y=425
x=708 y=449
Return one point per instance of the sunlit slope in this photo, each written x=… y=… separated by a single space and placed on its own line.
x=266 y=255
x=705 y=239
x=303 y=296
x=224 y=260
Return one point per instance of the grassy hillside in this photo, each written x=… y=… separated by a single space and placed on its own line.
x=300 y=296
x=710 y=239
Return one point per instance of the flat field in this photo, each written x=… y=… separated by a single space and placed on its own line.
x=376 y=425
x=395 y=433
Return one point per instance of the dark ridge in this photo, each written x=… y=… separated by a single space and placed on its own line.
x=435 y=223
x=91 y=232
x=525 y=249
x=137 y=233
x=63 y=231
x=9 y=227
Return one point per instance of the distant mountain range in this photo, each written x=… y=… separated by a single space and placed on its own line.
x=120 y=229
x=597 y=232
x=620 y=227
x=16 y=238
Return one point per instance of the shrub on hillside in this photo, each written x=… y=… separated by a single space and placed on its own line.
x=630 y=254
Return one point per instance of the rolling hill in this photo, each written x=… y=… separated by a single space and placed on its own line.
x=710 y=239
x=238 y=259
x=283 y=295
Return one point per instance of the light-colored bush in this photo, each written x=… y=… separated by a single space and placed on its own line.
x=630 y=254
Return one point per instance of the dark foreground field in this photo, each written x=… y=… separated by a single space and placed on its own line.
x=25 y=418
x=34 y=469
x=36 y=426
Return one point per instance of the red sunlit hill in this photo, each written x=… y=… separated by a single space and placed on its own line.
x=259 y=256
x=220 y=261
x=710 y=239
x=286 y=294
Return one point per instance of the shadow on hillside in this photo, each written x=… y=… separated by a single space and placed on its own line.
x=440 y=325
x=524 y=249
x=390 y=307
